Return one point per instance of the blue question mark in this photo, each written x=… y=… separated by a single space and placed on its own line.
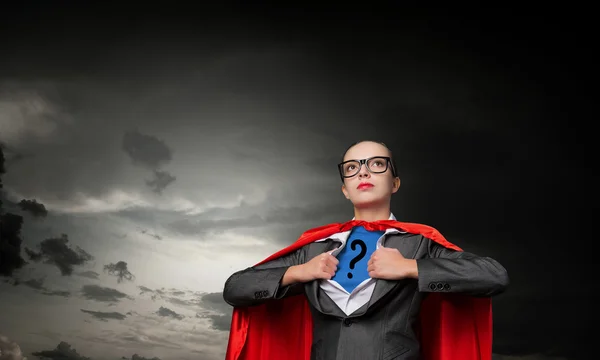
x=357 y=258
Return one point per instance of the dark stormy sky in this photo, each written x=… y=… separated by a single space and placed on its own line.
x=171 y=146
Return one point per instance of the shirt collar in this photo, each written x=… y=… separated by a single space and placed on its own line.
x=392 y=217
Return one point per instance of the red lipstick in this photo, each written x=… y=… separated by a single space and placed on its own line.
x=364 y=185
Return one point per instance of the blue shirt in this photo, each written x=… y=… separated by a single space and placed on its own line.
x=353 y=258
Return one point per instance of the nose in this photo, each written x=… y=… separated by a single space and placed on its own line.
x=363 y=171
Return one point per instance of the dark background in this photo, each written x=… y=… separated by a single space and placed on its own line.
x=502 y=164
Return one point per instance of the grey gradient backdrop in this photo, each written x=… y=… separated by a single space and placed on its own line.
x=190 y=142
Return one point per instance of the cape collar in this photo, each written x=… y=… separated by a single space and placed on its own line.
x=343 y=236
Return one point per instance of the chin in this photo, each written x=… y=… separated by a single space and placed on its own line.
x=367 y=201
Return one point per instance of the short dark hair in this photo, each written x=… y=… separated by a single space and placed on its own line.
x=394 y=168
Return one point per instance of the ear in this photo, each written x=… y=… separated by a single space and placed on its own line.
x=345 y=191
x=395 y=185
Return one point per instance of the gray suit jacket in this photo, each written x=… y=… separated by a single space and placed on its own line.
x=384 y=328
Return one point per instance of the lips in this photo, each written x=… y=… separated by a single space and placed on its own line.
x=364 y=185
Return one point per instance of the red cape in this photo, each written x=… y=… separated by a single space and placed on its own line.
x=453 y=326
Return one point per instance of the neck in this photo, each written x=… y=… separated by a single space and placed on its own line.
x=372 y=214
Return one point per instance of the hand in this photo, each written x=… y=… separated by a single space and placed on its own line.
x=322 y=266
x=390 y=264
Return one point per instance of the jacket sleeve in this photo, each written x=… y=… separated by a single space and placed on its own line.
x=257 y=284
x=447 y=270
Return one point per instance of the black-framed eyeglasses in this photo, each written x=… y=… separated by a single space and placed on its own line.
x=375 y=165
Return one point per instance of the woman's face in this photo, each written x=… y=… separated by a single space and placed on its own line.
x=366 y=189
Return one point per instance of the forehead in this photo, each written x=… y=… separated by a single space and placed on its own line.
x=365 y=150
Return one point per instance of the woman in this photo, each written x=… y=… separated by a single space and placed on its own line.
x=358 y=290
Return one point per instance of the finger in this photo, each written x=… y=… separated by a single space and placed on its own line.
x=325 y=258
x=331 y=267
x=331 y=259
x=322 y=273
x=372 y=266
x=329 y=263
x=393 y=250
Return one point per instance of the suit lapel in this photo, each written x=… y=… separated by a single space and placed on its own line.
x=320 y=300
x=382 y=286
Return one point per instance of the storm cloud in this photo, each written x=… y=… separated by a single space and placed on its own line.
x=151 y=153
x=104 y=316
x=38 y=284
x=10 y=350
x=103 y=294
x=63 y=351
x=33 y=207
x=138 y=357
x=119 y=270
x=222 y=320
x=146 y=150
x=89 y=274
x=57 y=251
x=28 y=115
x=160 y=181
x=166 y=312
